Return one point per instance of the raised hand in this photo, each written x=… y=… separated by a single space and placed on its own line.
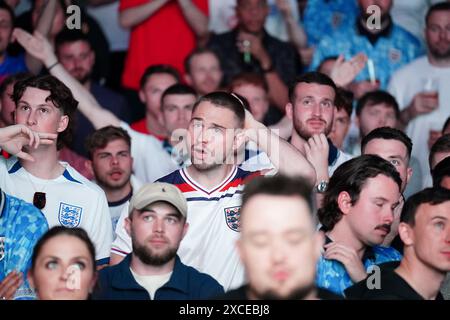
x=14 y=138
x=36 y=45
x=344 y=72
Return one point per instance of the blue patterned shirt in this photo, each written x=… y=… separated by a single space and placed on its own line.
x=332 y=275
x=390 y=52
x=324 y=17
x=21 y=226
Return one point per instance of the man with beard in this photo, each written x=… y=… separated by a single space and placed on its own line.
x=279 y=251
x=153 y=270
x=110 y=162
x=74 y=52
x=424 y=106
x=356 y=216
x=387 y=45
x=311 y=108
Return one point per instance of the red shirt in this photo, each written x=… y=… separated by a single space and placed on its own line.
x=141 y=126
x=165 y=37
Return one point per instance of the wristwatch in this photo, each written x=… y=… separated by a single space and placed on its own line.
x=322 y=186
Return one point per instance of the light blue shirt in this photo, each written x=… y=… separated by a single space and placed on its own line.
x=21 y=226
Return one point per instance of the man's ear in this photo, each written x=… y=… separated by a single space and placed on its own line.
x=142 y=96
x=185 y=229
x=89 y=167
x=63 y=123
x=409 y=173
x=406 y=234
x=127 y=225
x=239 y=140
x=344 y=202
x=289 y=110
x=188 y=79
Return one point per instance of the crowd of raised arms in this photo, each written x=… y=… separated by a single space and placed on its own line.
x=224 y=149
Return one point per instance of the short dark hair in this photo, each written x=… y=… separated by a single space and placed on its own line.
x=196 y=52
x=56 y=231
x=432 y=196
x=178 y=88
x=372 y=98
x=70 y=36
x=13 y=79
x=248 y=78
x=279 y=185
x=441 y=171
x=442 y=6
x=352 y=176
x=101 y=137
x=344 y=100
x=159 y=68
x=388 y=133
x=225 y=100
x=441 y=145
x=311 y=77
x=446 y=124
x=60 y=96
x=5 y=6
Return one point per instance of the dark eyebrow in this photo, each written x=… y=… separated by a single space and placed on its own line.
x=215 y=125
x=439 y=218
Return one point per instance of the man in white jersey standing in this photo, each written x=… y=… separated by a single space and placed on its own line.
x=420 y=87
x=45 y=104
x=213 y=183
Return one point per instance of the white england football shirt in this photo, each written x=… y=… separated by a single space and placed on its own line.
x=71 y=201
x=213 y=217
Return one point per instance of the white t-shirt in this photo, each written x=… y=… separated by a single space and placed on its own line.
x=151 y=283
x=213 y=217
x=404 y=85
x=150 y=160
x=71 y=201
x=107 y=16
x=410 y=14
x=115 y=208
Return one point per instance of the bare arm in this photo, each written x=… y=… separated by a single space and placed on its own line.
x=38 y=46
x=296 y=33
x=44 y=26
x=195 y=18
x=285 y=157
x=131 y=17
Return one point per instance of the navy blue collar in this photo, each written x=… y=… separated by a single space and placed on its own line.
x=332 y=153
x=123 y=278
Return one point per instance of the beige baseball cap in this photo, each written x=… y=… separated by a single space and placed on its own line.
x=158 y=191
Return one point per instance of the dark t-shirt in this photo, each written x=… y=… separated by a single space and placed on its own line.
x=392 y=287
x=241 y=294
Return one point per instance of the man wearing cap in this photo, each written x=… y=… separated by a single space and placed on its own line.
x=156 y=224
